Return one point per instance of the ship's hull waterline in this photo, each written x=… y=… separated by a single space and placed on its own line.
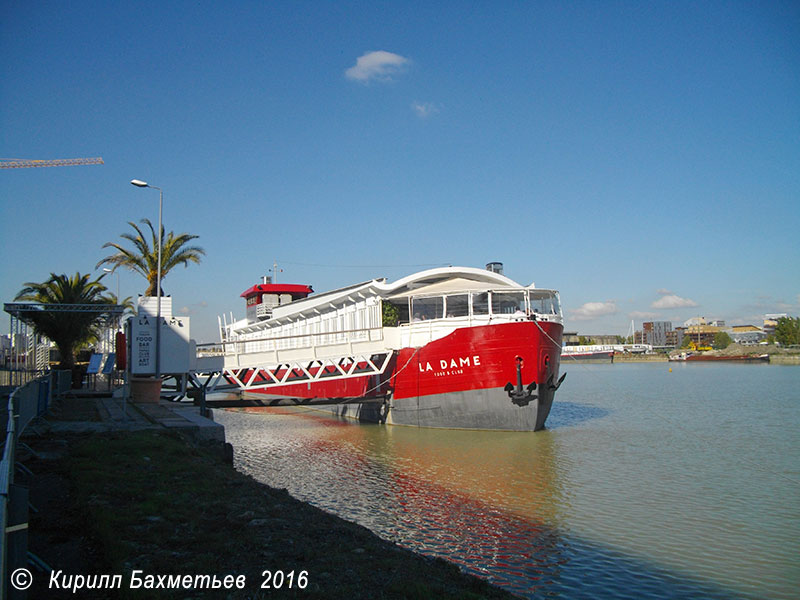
x=476 y=409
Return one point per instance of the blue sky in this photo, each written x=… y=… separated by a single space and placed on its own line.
x=642 y=158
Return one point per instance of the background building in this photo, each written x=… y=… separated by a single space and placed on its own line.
x=5 y=349
x=695 y=321
x=654 y=333
x=675 y=337
x=572 y=338
x=702 y=335
x=746 y=334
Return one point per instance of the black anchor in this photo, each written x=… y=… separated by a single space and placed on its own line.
x=518 y=395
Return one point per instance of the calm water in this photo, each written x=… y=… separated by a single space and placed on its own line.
x=647 y=484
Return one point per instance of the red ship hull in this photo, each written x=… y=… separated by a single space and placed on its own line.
x=474 y=378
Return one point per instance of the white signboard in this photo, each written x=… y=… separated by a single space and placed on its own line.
x=177 y=350
x=143 y=345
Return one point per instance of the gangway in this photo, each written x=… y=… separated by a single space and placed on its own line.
x=260 y=377
x=249 y=372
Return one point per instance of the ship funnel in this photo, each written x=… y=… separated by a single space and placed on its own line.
x=495 y=267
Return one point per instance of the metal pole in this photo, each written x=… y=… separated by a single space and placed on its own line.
x=140 y=183
x=12 y=352
x=158 y=287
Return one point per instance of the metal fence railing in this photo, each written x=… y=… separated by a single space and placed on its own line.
x=6 y=485
x=25 y=403
x=19 y=377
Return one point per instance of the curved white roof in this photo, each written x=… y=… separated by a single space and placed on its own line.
x=438 y=280
x=461 y=278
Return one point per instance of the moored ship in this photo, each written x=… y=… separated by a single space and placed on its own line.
x=451 y=347
x=594 y=354
x=690 y=357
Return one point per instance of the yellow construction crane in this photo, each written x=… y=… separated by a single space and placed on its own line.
x=20 y=163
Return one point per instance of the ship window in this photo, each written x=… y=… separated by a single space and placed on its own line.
x=458 y=305
x=269 y=300
x=544 y=303
x=424 y=309
x=508 y=303
x=480 y=303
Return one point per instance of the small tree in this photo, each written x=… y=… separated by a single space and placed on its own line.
x=391 y=314
x=722 y=340
x=787 y=331
x=68 y=330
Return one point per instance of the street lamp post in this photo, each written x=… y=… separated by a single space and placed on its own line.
x=139 y=183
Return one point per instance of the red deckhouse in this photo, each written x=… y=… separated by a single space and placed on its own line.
x=453 y=347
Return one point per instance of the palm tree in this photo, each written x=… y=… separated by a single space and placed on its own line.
x=143 y=258
x=67 y=329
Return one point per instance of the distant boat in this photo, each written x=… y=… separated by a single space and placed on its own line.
x=689 y=357
x=587 y=354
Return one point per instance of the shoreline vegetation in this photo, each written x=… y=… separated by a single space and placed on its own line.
x=155 y=501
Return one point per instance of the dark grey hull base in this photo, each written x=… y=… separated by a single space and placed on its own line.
x=489 y=409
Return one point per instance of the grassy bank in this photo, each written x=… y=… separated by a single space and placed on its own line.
x=155 y=502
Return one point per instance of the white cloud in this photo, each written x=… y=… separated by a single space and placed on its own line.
x=591 y=310
x=378 y=65
x=192 y=308
x=424 y=109
x=664 y=292
x=673 y=301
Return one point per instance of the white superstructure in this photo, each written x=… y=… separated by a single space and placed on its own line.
x=429 y=305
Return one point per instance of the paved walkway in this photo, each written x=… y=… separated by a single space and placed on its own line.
x=87 y=412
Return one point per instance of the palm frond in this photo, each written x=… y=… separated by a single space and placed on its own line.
x=142 y=258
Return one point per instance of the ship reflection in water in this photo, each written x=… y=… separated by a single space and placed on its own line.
x=500 y=505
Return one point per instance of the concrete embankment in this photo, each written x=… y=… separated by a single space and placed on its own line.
x=145 y=496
